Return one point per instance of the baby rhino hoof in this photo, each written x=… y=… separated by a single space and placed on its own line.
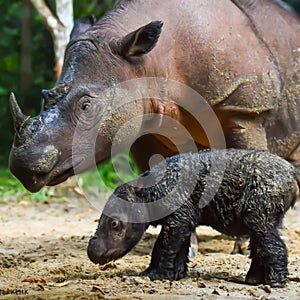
x=161 y=274
x=262 y=275
x=274 y=284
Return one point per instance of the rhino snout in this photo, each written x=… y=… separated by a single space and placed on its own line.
x=96 y=251
x=32 y=169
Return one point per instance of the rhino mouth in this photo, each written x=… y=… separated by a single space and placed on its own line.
x=61 y=177
x=64 y=171
x=58 y=174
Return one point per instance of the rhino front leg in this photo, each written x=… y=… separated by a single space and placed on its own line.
x=248 y=132
x=170 y=254
x=147 y=157
x=245 y=132
x=148 y=151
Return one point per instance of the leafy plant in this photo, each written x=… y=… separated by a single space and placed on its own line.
x=11 y=190
x=109 y=175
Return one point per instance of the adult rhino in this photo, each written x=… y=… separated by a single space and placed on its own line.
x=242 y=56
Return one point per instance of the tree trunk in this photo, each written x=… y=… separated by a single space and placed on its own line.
x=59 y=25
x=64 y=12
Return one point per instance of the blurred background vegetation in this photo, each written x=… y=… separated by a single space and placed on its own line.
x=21 y=27
x=27 y=80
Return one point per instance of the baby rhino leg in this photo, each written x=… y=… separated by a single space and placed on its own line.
x=269 y=260
x=170 y=254
x=268 y=251
x=245 y=132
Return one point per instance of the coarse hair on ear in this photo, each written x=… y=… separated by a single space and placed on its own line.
x=140 y=41
x=81 y=25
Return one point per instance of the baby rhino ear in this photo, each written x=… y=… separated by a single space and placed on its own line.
x=140 y=41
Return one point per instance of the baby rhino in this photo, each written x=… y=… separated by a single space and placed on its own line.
x=237 y=192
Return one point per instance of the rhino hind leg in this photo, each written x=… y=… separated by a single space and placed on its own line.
x=269 y=260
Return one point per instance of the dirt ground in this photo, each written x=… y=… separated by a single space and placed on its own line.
x=43 y=256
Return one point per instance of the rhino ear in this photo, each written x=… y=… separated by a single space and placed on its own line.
x=141 y=41
x=81 y=25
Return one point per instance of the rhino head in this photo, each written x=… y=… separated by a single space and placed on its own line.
x=80 y=115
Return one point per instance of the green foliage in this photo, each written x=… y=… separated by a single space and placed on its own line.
x=105 y=178
x=11 y=190
x=10 y=24
x=107 y=171
x=295 y=4
x=94 y=7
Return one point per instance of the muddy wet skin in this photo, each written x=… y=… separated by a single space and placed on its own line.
x=45 y=245
x=252 y=190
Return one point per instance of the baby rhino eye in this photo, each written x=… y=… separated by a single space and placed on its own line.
x=115 y=224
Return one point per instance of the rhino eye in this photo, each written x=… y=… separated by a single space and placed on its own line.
x=115 y=224
x=86 y=106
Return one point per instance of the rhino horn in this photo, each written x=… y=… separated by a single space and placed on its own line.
x=18 y=116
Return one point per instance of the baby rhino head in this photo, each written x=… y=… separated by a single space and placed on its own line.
x=119 y=229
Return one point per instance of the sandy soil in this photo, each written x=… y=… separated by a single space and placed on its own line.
x=43 y=256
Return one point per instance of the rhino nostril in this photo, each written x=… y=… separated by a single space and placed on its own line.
x=93 y=239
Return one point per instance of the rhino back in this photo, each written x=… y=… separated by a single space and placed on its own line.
x=278 y=28
x=202 y=44
x=242 y=56
x=251 y=178
x=241 y=53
